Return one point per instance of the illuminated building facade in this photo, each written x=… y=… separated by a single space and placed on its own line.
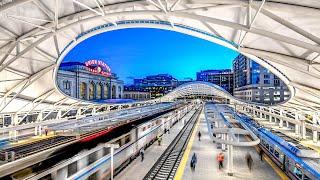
x=158 y=85
x=221 y=77
x=255 y=83
x=91 y=80
x=136 y=93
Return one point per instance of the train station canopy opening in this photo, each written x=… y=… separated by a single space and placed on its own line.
x=35 y=35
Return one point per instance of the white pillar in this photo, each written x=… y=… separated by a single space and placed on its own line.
x=297 y=127
x=303 y=129
x=270 y=116
x=223 y=146
x=111 y=169
x=315 y=136
x=40 y=130
x=281 y=120
x=230 y=159
x=315 y=132
x=36 y=130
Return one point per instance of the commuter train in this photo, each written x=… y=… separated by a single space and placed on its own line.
x=140 y=137
x=288 y=156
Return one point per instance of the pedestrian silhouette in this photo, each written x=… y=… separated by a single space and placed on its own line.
x=193 y=162
x=249 y=161
x=261 y=154
x=220 y=159
x=199 y=135
x=142 y=154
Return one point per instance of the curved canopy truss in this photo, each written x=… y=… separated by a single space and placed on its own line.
x=282 y=35
x=197 y=88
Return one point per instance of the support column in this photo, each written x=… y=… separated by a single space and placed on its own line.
x=36 y=130
x=230 y=159
x=296 y=126
x=281 y=120
x=303 y=129
x=223 y=146
x=40 y=130
x=314 y=131
x=270 y=116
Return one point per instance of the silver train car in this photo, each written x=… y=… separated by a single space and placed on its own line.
x=131 y=143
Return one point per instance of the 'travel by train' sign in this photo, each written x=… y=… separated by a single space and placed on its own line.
x=98 y=67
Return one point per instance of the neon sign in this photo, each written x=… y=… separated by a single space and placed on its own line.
x=98 y=67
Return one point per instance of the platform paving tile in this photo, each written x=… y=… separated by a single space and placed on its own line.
x=137 y=169
x=207 y=166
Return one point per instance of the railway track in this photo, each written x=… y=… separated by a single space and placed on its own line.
x=167 y=165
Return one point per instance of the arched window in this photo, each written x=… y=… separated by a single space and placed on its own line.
x=119 y=91
x=91 y=91
x=113 y=91
x=99 y=91
x=83 y=90
x=106 y=91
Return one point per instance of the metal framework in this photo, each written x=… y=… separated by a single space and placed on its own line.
x=282 y=35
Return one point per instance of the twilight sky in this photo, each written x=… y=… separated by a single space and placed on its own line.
x=138 y=52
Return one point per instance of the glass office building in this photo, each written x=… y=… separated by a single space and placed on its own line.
x=222 y=78
x=253 y=82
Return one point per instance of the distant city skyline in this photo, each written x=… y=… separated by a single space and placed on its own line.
x=139 y=52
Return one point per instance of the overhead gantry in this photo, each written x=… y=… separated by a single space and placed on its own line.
x=35 y=35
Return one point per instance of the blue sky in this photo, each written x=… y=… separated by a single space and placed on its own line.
x=138 y=52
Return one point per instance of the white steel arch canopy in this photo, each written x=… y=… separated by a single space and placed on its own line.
x=284 y=34
x=197 y=88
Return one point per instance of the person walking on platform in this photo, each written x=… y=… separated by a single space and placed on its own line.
x=261 y=154
x=199 y=135
x=142 y=154
x=159 y=140
x=193 y=162
x=220 y=159
x=249 y=161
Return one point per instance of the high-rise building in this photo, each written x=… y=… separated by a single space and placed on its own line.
x=253 y=82
x=158 y=85
x=222 y=78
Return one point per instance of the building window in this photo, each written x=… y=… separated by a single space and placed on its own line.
x=66 y=85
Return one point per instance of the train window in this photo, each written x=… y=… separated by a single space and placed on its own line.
x=297 y=172
x=267 y=146
x=305 y=177
x=271 y=149
x=276 y=153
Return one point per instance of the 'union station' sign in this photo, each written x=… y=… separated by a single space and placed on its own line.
x=98 y=67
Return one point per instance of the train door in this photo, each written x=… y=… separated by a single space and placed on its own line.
x=285 y=163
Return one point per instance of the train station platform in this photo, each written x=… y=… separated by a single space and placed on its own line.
x=136 y=170
x=207 y=165
x=290 y=131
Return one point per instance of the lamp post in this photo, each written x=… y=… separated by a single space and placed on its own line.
x=112 y=146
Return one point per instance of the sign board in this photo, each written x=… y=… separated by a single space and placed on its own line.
x=98 y=67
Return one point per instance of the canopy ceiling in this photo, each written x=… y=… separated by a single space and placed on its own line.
x=35 y=34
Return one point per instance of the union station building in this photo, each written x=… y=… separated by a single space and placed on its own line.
x=91 y=80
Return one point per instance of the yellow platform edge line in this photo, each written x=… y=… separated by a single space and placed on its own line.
x=183 y=163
